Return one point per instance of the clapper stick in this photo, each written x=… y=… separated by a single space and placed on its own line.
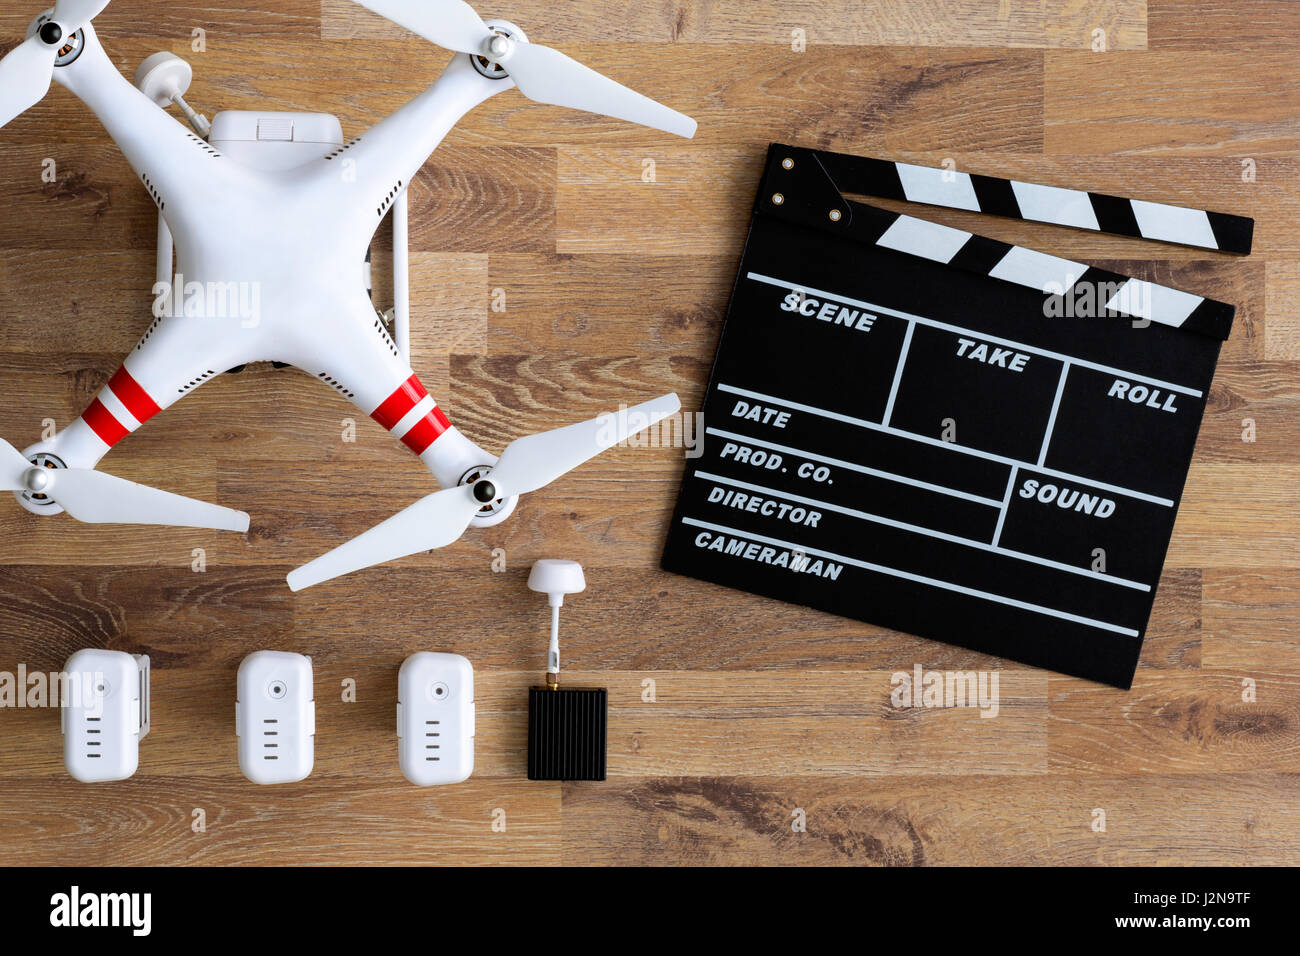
x=1080 y=209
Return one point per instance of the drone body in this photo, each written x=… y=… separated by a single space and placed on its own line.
x=293 y=241
x=269 y=266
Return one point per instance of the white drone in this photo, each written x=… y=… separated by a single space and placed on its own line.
x=278 y=203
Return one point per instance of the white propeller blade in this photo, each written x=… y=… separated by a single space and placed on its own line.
x=542 y=74
x=25 y=77
x=72 y=15
x=26 y=72
x=535 y=461
x=99 y=498
x=548 y=76
x=450 y=24
x=439 y=519
x=12 y=467
x=432 y=522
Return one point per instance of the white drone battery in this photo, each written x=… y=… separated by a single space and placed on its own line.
x=275 y=717
x=435 y=718
x=274 y=141
x=104 y=713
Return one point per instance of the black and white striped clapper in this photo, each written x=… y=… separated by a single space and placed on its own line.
x=942 y=433
x=1056 y=205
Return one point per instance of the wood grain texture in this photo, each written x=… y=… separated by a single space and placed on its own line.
x=562 y=263
x=943 y=23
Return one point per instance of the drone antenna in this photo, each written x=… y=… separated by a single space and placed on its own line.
x=196 y=119
x=555 y=578
x=566 y=727
x=164 y=78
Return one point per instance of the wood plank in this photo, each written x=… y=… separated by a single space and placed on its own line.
x=1266 y=394
x=1053 y=24
x=180 y=18
x=95 y=204
x=1175 y=723
x=1219 y=102
x=609 y=304
x=1250 y=620
x=148 y=820
x=1220 y=24
x=821 y=724
x=939 y=821
x=1237 y=515
x=1186 y=820
x=1282 y=309
x=599 y=211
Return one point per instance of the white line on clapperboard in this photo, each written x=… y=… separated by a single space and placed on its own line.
x=898 y=373
x=919 y=578
x=851 y=466
x=929 y=532
x=1051 y=419
x=934 y=323
x=1006 y=503
x=938 y=443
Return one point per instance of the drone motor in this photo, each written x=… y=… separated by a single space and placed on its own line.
x=502 y=44
x=51 y=34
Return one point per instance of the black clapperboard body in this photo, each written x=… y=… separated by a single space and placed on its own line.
x=944 y=434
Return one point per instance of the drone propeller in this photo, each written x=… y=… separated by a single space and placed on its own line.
x=439 y=519
x=541 y=73
x=98 y=498
x=25 y=74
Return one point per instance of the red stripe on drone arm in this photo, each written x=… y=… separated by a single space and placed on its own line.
x=426 y=431
x=103 y=424
x=132 y=394
x=395 y=407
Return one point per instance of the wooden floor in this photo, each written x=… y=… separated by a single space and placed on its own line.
x=615 y=289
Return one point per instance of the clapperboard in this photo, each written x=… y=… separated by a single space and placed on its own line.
x=947 y=435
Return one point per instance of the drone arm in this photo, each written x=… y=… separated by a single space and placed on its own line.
x=353 y=352
x=413 y=417
x=172 y=161
x=386 y=157
x=175 y=355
